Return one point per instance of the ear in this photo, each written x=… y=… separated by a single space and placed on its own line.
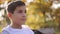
x=9 y=15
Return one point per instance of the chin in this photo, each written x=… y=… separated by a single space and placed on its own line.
x=22 y=23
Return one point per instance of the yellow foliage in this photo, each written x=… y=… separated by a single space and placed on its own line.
x=30 y=18
x=24 y=0
x=41 y=14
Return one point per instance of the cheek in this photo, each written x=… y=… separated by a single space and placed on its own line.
x=17 y=15
x=18 y=18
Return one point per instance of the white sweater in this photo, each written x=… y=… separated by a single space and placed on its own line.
x=10 y=30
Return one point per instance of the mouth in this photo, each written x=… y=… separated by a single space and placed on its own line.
x=23 y=19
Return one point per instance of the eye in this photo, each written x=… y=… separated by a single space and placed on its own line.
x=20 y=11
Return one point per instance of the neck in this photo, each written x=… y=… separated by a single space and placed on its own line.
x=16 y=26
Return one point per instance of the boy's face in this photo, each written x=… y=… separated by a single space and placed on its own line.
x=19 y=15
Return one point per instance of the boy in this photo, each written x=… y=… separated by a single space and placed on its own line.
x=17 y=14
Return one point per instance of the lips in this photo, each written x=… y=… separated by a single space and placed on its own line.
x=23 y=19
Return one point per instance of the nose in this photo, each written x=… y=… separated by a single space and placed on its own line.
x=24 y=15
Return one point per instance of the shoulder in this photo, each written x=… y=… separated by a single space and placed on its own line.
x=27 y=28
x=6 y=28
x=5 y=32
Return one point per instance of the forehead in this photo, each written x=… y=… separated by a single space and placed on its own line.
x=21 y=8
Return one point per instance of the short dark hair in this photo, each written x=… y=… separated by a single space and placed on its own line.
x=12 y=6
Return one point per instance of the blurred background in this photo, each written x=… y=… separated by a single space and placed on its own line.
x=40 y=14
